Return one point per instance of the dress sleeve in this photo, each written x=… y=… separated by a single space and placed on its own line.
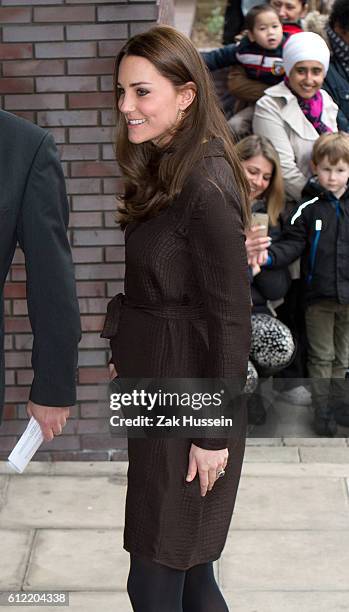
x=217 y=247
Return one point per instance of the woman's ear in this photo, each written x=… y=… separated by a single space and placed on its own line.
x=187 y=95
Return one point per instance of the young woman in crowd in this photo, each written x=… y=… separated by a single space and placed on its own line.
x=272 y=344
x=185 y=313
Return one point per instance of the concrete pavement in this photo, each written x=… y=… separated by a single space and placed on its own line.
x=288 y=545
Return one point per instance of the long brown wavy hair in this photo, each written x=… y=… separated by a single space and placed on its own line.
x=252 y=146
x=153 y=175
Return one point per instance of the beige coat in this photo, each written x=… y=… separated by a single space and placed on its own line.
x=278 y=117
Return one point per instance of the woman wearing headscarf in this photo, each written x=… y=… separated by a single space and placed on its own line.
x=295 y=112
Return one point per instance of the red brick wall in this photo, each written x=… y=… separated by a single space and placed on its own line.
x=56 y=63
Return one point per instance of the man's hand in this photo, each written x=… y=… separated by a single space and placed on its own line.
x=50 y=418
x=207 y=463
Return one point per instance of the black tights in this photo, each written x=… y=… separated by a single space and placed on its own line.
x=153 y=587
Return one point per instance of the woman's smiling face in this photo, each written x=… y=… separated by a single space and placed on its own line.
x=259 y=171
x=306 y=78
x=149 y=102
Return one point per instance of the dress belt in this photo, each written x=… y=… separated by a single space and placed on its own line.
x=165 y=311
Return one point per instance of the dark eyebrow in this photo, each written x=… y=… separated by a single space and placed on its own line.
x=136 y=84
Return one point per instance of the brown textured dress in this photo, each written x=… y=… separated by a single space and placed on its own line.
x=186 y=314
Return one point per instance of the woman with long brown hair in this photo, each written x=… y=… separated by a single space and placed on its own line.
x=264 y=176
x=185 y=312
x=272 y=346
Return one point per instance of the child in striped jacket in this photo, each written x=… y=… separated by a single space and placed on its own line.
x=259 y=52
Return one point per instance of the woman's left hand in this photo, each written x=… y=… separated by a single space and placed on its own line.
x=207 y=463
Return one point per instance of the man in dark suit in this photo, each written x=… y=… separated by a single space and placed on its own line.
x=34 y=213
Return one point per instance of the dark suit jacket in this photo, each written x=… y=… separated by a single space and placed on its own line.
x=34 y=212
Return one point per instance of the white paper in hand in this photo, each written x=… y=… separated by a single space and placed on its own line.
x=26 y=446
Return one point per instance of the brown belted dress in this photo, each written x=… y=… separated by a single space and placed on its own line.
x=186 y=313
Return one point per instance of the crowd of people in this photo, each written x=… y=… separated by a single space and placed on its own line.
x=289 y=76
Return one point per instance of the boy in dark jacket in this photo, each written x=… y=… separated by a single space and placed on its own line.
x=318 y=231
